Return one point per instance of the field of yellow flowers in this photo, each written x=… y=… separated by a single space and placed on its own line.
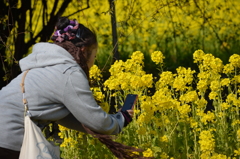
x=172 y=121
x=172 y=117
x=177 y=28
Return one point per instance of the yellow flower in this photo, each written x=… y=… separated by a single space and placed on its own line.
x=216 y=65
x=228 y=69
x=215 y=85
x=147 y=106
x=157 y=57
x=95 y=73
x=201 y=103
x=166 y=99
x=235 y=60
x=236 y=79
x=164 y=155
x=202 y=85
x=203 y=75
x=190 y=96
x=207 y=142
x=184 y=110
x=164 y=138
x=166 y=78
x=232 y=99
x=225 y=82
x=184 y=77
x=105 y=106
x=213 y=95
x=116 y=67
x=135 y=152
x=207 y=60
x=225 y=106
x=179 y=83
x=218 y=156
x=198 y=56
x=209 y=117
x=147 y=80
x=235 y=122
x=148 y=153
x=237 y=152
x=62 y=128
x=137 y=57
x=97 y=93
x=193 y=123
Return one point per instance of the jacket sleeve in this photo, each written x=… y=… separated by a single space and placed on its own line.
x=79 y=100
x=71 y=122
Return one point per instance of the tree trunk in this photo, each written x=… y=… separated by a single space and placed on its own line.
x=114 y=31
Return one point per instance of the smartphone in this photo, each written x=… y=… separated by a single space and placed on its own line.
x=129 y=102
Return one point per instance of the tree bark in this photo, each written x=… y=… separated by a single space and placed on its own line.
x=114 y=30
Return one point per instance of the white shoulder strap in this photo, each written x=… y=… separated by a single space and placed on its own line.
x=25 y=103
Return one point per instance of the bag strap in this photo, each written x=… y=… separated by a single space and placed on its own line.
x=25 y=103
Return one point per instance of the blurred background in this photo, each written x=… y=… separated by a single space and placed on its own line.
x=175 y=27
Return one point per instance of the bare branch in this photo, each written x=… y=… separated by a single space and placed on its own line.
x=88 y=6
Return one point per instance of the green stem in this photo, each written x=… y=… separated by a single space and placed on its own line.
x=186 y=141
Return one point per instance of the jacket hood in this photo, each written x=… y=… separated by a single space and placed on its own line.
x=46 y=54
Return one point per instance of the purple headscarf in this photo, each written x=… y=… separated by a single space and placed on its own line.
x=68 y=33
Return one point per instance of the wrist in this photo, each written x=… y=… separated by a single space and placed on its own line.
x=127 y=118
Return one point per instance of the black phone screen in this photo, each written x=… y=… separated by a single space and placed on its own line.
x=129 y=101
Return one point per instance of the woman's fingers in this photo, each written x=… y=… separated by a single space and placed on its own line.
x=130 y=112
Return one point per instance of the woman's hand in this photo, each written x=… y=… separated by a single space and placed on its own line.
x=130 y=112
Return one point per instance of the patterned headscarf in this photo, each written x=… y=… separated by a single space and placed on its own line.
x=68 y=33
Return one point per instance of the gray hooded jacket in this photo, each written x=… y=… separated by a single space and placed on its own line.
x=57 y=89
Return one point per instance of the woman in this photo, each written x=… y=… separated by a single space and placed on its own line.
x=57 y=89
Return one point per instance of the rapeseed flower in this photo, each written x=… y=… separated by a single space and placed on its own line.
x=166 y=78
x=97 y=93
x=224 y=106
x=207 y=117
x=235 y=60
x=137 y=57
x=202 y=85
x=215 y=85
x=95 y=73
x=184 y=110
x=157 y=57
x=179 y=84
x=190 y=96
x=228 y=69
x=236 y=79
x=183 y=78
x=148 y=153
x=207 y=61
x=207 y=143
x=216 y=65
x=201 y=103
x=225 y=82
x=198 y=56
x=237 y=152
x=219 y=156
x=164 y=138
x=193 y=123
x=164 y=155
x=213 y=95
